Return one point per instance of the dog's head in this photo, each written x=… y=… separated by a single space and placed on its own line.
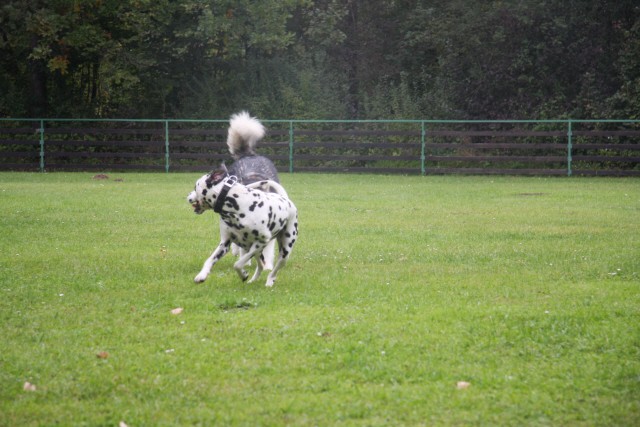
x=207 y=188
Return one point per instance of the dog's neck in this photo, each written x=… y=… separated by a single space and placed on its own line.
x=228 y=182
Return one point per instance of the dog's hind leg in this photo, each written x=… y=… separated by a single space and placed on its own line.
x=271 y=279
x=286 y=241
x=220 y=251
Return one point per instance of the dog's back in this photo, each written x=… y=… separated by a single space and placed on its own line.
x=253 y=168
x=244 y=133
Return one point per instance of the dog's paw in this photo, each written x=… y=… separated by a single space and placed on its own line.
x=269 y=283
x=200 y=278
x=243 y=275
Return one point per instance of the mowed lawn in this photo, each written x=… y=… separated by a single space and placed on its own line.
x=407 y=301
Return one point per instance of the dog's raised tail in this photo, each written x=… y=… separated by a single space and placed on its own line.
x=244 y=133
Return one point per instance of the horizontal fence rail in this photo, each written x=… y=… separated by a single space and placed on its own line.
x=517 y=147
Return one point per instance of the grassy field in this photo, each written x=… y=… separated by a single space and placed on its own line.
x=399 y=288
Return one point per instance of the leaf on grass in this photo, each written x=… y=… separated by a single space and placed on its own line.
x=177 y=311
x=461 y=385
x=122 y=424
x=102 y=355
x=29 y=387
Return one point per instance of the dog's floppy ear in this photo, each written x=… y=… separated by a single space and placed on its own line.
x=216 y=176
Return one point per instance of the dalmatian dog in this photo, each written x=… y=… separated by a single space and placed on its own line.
x=250 y=217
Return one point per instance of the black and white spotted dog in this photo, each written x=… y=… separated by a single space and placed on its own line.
x=249 y=218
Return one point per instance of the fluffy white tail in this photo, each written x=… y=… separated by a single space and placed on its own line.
x=244 y=133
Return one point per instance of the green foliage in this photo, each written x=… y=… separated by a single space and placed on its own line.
x=398 y=288
x=320 y=59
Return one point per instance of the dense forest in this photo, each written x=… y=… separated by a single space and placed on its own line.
x=324 y=59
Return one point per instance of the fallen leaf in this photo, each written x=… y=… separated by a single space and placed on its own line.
x=102 y=355
x=122 y=424
x=176 y=311
x=461 y=385
x=29 y=387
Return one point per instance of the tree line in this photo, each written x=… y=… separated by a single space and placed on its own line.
x=324 y=59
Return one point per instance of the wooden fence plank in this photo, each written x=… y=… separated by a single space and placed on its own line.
x=19 y=142
x=490 y=133
x=497 y=145
x=474 y=158
x=159 y=132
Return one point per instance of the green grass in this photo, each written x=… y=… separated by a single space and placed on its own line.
x=398 y=288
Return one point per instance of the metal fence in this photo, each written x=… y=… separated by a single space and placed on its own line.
x=520 y=147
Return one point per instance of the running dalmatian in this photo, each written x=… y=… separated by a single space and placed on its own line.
x=250 y=217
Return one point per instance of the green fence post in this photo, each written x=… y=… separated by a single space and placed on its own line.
x=41 y=130
x=291 y=147
x=423 y=133
x=569 y=147
x=166 y=146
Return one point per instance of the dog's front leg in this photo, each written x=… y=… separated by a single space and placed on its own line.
x=220 y=251
x=256 y=248
x=259 y=257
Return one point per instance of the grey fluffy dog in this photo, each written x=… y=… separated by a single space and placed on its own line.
x=244 y=133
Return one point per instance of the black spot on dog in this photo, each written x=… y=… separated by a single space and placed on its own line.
x=235 y=195
x=204 y=192
x=232 y=203
x=253 y=206
x=291 y=243
x=242 y=215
